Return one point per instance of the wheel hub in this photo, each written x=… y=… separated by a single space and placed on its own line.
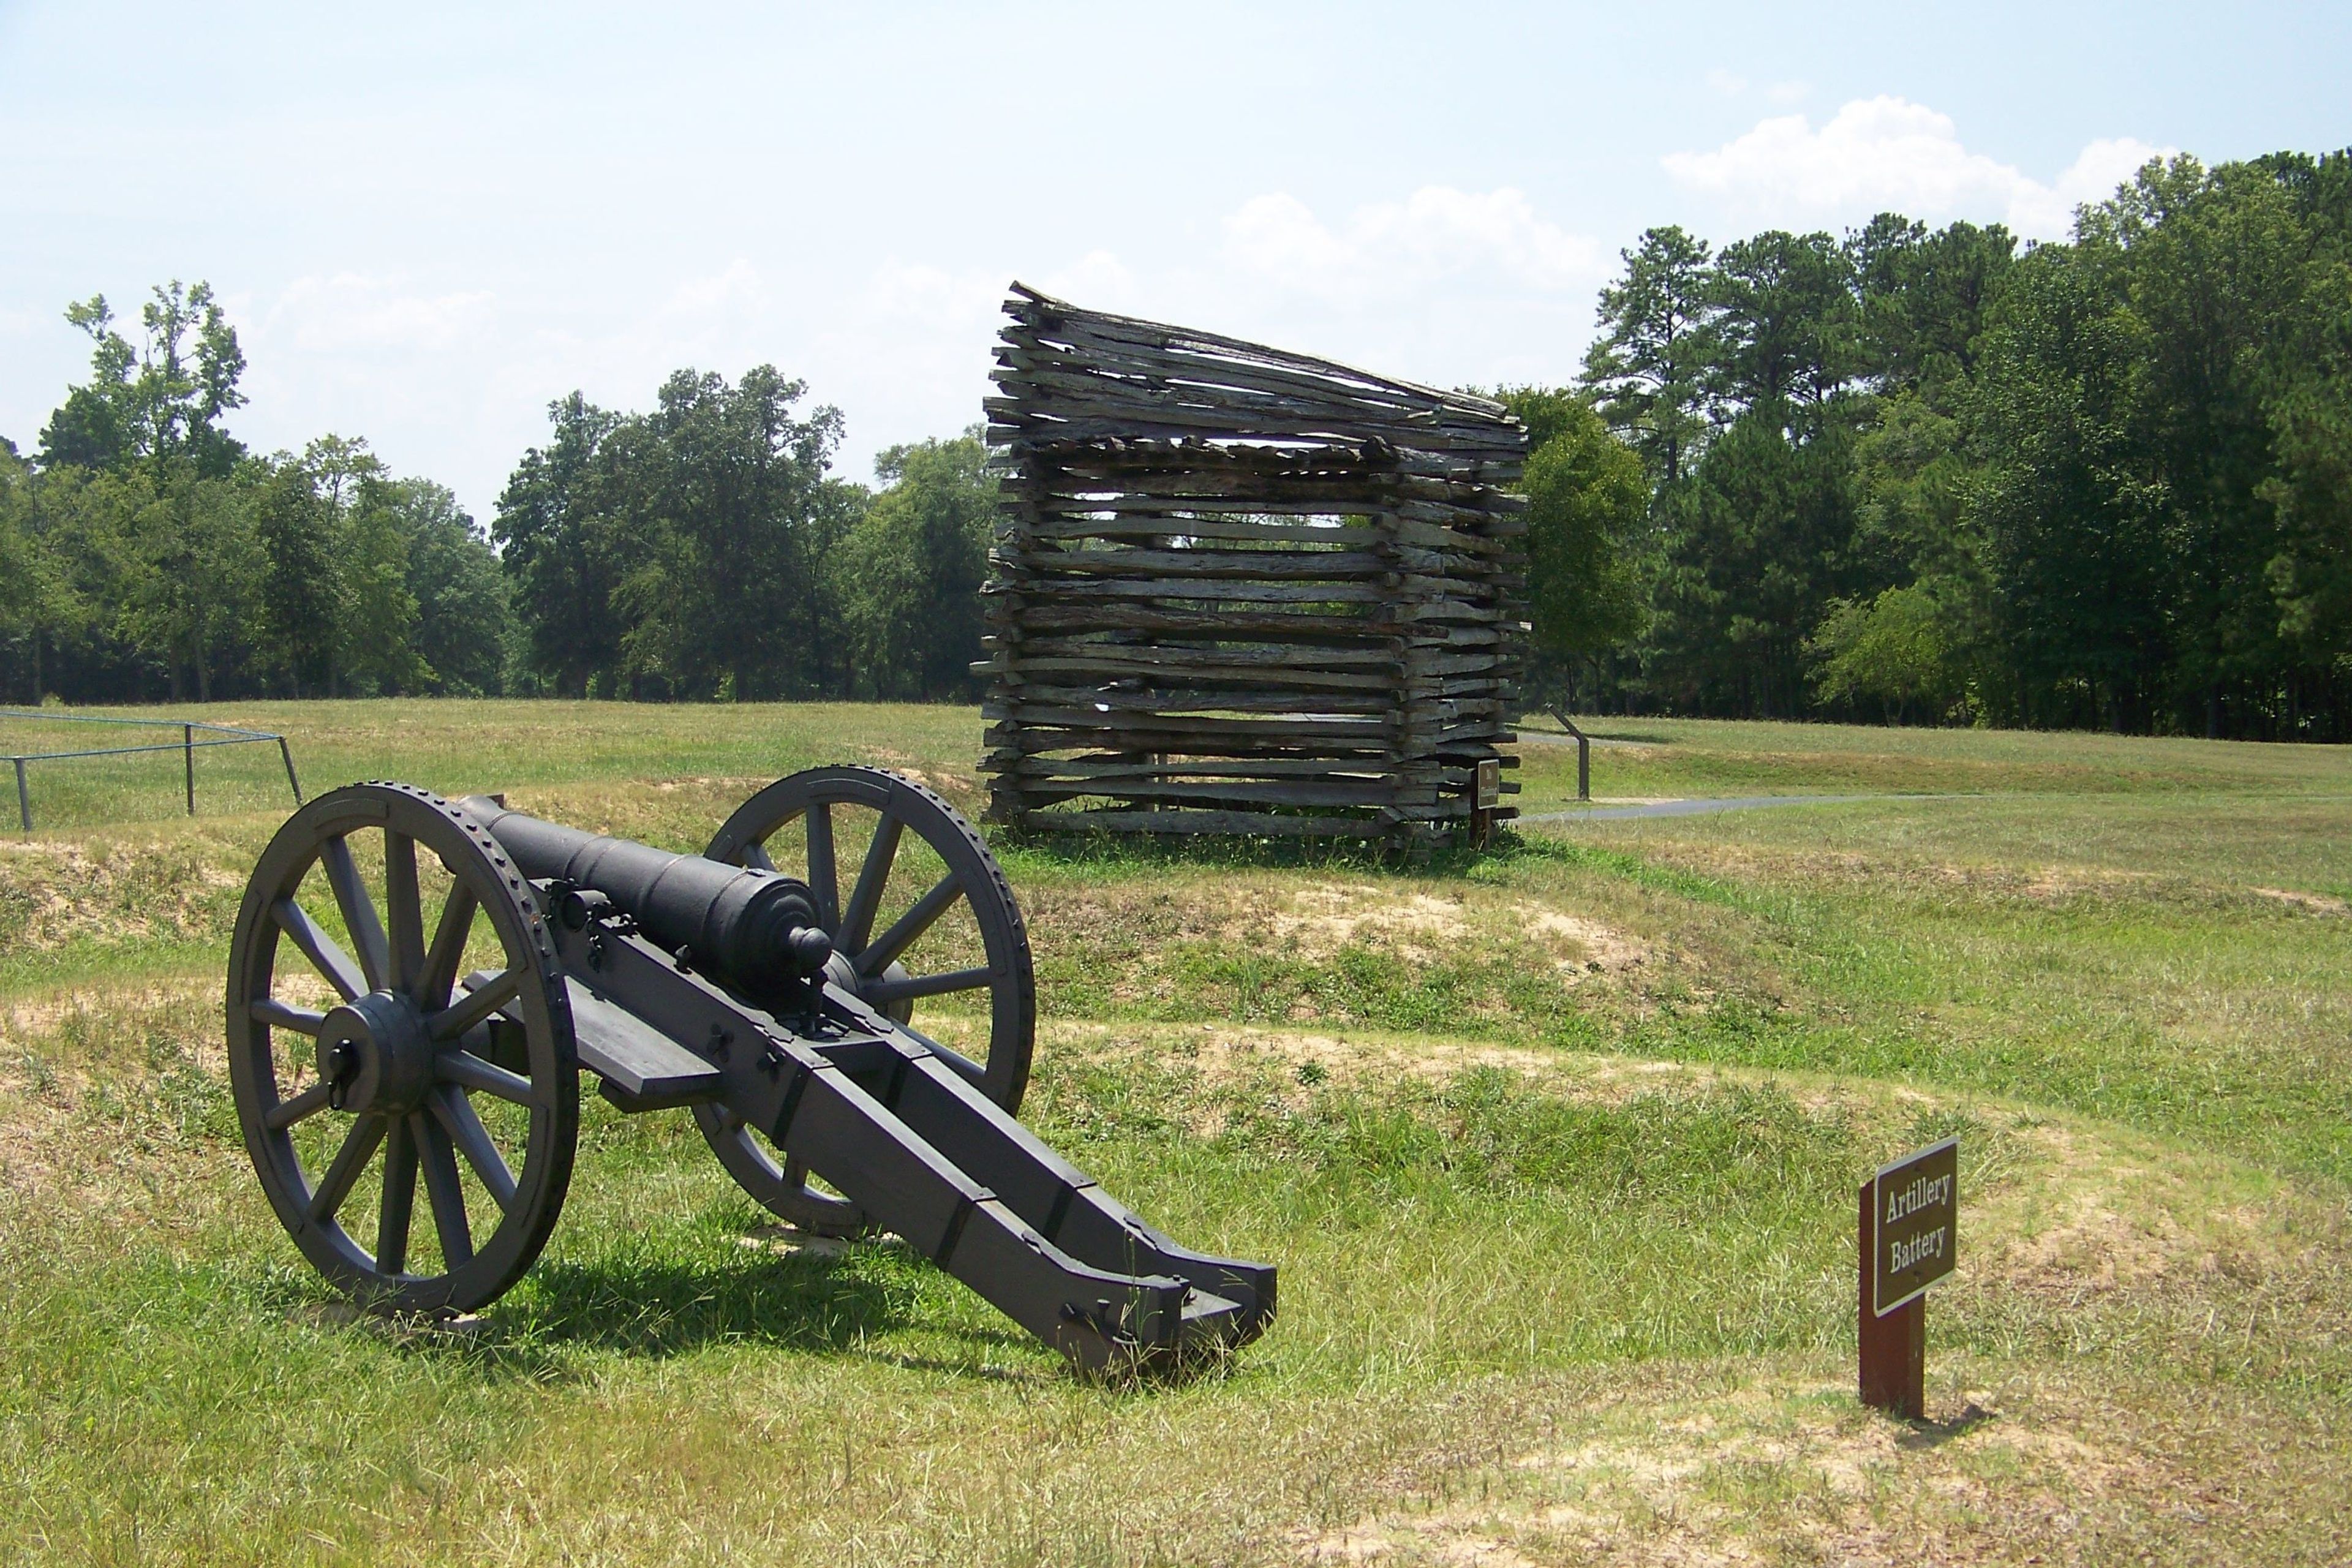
x=377 y=1052
x=841 y=971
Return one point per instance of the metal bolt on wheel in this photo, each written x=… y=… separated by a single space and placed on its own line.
x=892 y=970
x=358 y=1073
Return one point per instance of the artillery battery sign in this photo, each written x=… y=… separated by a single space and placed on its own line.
x=1915 y=1209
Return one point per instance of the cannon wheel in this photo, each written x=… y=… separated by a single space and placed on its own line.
x=396 y=1079
x=876 y=967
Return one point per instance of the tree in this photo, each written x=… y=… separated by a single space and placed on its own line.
x=560 y=549
x=1759 y=543
x=301 y=597
x=1787 y=328
x=1894 y=649
x=1648 y=369
x=727 y=491
x=1923 y=296
x=2071 y=510
x=1587 y=501
x=28 y=575
x=912 y=567
x=2218 y=270
x=453 y=576
x=163 y=400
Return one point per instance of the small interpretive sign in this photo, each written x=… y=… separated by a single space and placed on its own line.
x=1914 y=1210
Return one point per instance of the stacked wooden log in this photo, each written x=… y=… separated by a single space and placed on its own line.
x=1236 y=590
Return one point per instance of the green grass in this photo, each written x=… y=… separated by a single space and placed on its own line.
x=1556 y=1148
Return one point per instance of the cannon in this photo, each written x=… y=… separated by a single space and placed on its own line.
x=416 y=984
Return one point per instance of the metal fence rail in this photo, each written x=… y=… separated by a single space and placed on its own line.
x=187 y=744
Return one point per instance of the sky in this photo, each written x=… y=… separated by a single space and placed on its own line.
x=426 y=223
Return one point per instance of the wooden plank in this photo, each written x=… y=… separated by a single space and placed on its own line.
x=1240 y=823
x=1098 y=706
x=1123 y=356
x=1228 y=653
x=1253 y=565
x=1042 y=313
x=1107 y=767
x=1230 y=792
x=1075 y=391
x=1037 y=673
x=1151 y=517
x=1234 y=738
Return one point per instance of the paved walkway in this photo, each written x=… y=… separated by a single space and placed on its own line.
x=1697 y=807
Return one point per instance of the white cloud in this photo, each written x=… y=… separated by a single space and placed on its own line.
x=1098 y=277
x=1885 y=153
x=351 y=311
x=1392 y=249
x=1729 y=84
x=2049 y=211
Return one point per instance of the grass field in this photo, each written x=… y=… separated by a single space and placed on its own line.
x=1556 y=1149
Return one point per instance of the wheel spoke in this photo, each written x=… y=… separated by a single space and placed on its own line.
x=333 y=965
x=881 y=992
x=359 y=912
x=287 y=1112
x=358 y=1146
x=479 y=1004
x=756 y=855
x=879 y=954
x=280 y=1015
x=399 y=1199
x=471 y=1070
x=404 y=909
x=441 y=1186
x=824 y=878
x=456 y=1114
x=866 y=899
x=440 y=977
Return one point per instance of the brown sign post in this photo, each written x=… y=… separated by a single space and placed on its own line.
x=1910 y=1230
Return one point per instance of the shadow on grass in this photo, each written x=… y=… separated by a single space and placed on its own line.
x=1099 y=853
x=1926 y=1434
x=654 y=1308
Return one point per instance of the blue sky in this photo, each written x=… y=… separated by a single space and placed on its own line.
x=428 y=222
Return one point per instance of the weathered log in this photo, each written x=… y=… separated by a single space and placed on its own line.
x=1240 y=590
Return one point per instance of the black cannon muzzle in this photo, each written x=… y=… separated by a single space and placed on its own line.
x=756 y=931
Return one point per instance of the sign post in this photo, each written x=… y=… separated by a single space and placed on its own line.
x=1910 y=1228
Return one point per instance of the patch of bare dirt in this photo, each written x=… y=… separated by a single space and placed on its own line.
x=1421 y=927
x=1321 y=918
x=52 y=893
x=2040 y=884
x=83 y=1057
x=1793 y=1476
x=1230 y=1067
x=2314 y=903
x=2094 y=1222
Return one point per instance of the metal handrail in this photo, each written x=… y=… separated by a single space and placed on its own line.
x=188 y=744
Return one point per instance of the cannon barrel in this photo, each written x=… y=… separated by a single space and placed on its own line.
x=755 y=930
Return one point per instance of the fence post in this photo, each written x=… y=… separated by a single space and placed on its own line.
x=287 y=756
x=24 y=798
x=188 y=741
x=1583 y=753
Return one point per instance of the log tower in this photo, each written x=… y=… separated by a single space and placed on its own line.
x=1240 y=591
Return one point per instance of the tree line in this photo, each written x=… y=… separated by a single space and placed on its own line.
x=1903 y=474
x=702 y=550
x=1927 y=475
x=144 y=553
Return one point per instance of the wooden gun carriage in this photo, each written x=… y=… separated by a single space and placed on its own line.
x=444 y=1048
